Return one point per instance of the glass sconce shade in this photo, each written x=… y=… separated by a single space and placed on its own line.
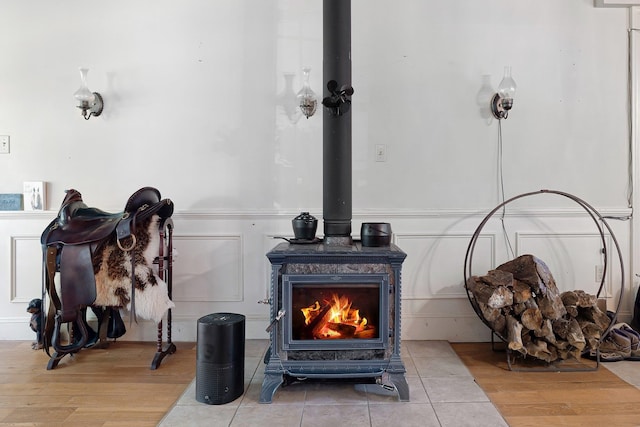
x=83 y=93
x=307 y=99
x=507 y=87
x=502 y=101
x=90 y=103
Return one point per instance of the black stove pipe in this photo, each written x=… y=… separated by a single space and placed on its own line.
x=336 y=139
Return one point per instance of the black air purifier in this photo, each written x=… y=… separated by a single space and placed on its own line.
x=220 y=358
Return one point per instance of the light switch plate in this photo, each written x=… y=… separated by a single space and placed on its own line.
x=4 y=144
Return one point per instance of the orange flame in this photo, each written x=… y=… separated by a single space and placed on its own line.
x=310 y=312
x=339 y=314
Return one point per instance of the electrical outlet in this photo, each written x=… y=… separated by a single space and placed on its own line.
x=4 y=144
x=381 y=153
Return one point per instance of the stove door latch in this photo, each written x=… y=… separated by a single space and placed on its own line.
x=280 y=315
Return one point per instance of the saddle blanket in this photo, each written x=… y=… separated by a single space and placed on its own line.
x=113 y=268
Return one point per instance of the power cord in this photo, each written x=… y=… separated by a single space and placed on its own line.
x=502 y=196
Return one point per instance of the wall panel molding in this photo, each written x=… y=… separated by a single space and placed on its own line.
x=211 y=269
x=421 y=276
x=26 y=268
x=575 y=259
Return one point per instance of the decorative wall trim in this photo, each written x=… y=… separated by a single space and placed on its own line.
x=616 y=3
x=204 y=275
x=438 y=287
x=218 y=214
x=32 y=288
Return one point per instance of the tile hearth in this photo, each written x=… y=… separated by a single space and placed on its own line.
x=443 y=393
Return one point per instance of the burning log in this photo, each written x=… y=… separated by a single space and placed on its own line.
x=345 y=330
x=365 y=334
x=521 y=302
x=336 y=318
x=320 y=320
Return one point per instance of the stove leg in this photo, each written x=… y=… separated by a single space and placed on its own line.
x=400 y=382
x=269 y=385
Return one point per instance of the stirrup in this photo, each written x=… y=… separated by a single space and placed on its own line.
x=72 y=347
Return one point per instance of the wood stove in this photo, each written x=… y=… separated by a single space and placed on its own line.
x=335 y=314
x=309 y=336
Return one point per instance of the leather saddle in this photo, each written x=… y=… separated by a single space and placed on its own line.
x=70 y=240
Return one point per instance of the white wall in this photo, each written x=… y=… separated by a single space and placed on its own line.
x=194 y=93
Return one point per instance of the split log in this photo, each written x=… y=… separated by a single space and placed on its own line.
x=535 y=273
x=494 y=297
x=578 y=298
x=490 y=314
x=595 y=315
x=573 y=300
x=575 y=337
x=546 y=332
x=521 y=291
x=592 y=333
x=561 y=328
x=494 y=317
x=521 y=302
x=531 y=319
x=572 y=310
x=569 y=352
x=525 y=269
x=551 y=306
x=517 y=309
x=497 y=278
x=540 y=350
x=514 y=335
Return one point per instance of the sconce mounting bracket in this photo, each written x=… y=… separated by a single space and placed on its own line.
x=95 y=109
x=500 y=106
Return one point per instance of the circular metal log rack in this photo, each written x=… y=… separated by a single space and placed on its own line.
x=601 y=225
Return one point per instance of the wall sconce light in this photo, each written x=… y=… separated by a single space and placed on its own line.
x=91 y=103
x=502 y=101
x=339 y=102
x=307 y=100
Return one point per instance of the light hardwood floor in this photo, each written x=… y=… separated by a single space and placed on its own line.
x=115 y=387
x=97 y=387
x=595 y=398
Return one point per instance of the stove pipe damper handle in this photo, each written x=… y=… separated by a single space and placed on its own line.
x=336 y=137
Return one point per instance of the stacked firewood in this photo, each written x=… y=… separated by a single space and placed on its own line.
x=521 y=303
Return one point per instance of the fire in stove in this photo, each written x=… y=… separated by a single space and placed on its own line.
x=336 y=319
x=347 y=310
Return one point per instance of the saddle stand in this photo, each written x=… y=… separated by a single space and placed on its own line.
x=165 y=271
x=69 y=244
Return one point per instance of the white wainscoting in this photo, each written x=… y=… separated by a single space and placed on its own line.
x=26 y=274
x=221 y=266
x=210 y=271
